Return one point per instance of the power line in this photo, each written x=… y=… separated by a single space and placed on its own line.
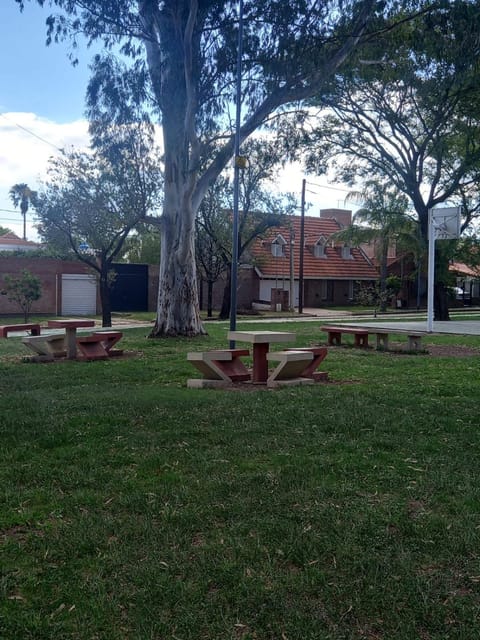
x=32 y=133
x=325 y=186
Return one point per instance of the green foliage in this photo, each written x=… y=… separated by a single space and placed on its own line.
x=419 y=84
x=143 y=245
x=374 y=295
x=94 y=201
x=179 y=66
x=22 y=290
x=21 y=195
x=394 y=284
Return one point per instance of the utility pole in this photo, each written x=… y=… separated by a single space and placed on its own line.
x=302 y=245
x=292 y=273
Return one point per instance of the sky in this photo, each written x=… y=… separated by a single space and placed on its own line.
x=42 y=110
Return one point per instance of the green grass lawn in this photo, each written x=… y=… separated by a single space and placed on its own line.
x=135 y=508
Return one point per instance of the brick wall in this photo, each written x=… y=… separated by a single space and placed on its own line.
x=49 y=271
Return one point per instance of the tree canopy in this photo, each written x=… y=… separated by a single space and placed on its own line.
x=21 y=195
x=182 y=66
x=406 y=111
x=93 y=200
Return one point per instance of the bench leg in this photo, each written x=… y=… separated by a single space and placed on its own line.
x=382 y=341
x=92 y=350
x=289 y=372
x=234 y=369
x=414 y=343
x=40 y=348
x=335 y=337
x=310 y=370
x=361 y=340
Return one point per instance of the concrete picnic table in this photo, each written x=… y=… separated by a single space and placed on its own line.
x=260 y=341
x=70 y=327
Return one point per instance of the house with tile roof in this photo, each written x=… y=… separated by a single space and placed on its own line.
x=11 y=242
x=332 y=270
x=467 y=282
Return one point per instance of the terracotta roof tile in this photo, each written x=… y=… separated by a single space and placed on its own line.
x=332 y=266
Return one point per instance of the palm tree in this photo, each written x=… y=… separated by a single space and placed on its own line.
x=383 y=219
x=21 y=194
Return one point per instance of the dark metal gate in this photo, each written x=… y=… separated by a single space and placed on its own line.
x=129 y=291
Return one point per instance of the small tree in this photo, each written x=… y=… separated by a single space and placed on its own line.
x=22 y=290
x=94 y=201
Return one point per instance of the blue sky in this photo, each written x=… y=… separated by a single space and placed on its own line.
x=42 y=104
x=37 y=78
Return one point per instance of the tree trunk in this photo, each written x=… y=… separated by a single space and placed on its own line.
x=178 y=312
x=209 y=298
x=226 y=301
x=105 y=297
x=383 y=275
x=440 y=305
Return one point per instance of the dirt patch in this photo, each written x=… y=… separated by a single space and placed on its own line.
x=456 y=351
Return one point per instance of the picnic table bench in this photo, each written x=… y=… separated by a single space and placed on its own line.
x=46 y=347
x=291 y=367
x=98 y=345
x=382 y=336
x=414 y=338
x=33 y=327
x=70 y=327
x=219 y=367
x=319 y=355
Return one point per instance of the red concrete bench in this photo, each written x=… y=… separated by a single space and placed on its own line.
x=5 y=329
x=335 y=335
x=109 y=339
x=98 y=346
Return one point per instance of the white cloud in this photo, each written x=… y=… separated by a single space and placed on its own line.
x=27 y=141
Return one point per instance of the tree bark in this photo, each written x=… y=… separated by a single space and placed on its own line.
x=227 y=296
x=105 y=297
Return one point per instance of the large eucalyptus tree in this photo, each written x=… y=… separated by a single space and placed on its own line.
x=183 y=62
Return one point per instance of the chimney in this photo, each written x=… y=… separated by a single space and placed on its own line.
x=343 y=216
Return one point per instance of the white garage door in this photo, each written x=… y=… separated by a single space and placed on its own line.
x=79 y=295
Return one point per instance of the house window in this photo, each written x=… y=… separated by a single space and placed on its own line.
x=278 y=247
x=319 y=250
x=351 y=290
x=347 y=252
x=277 y=250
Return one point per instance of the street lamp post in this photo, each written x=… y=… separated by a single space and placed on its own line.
x=236 y=177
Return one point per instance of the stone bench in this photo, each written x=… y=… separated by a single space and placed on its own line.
x=335 y=335
x=290 y=370
x=33 y=327
x=219 y=367
x=414 y=338
x=46 y=347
